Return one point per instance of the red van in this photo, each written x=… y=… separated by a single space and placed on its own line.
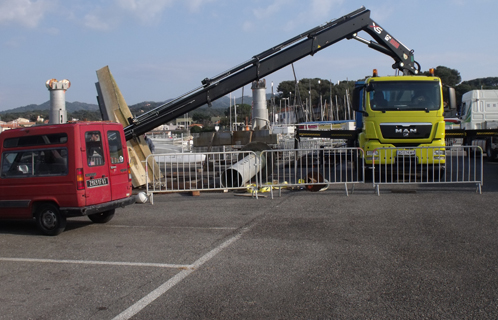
x=51 y=172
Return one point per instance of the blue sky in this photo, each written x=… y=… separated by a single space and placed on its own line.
x=160 y=49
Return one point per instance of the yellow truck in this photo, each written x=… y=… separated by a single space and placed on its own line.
x=402 y=112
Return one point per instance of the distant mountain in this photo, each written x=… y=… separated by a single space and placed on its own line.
x=221 y=103
x=70 y=107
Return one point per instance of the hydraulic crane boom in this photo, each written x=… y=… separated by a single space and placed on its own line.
x=273 y=59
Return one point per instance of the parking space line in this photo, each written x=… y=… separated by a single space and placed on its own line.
x=148 y=299
x=113 y=263
x=165 y=227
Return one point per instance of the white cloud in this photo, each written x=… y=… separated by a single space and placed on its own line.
x=98 y=15
x=382 y=13
x=195 y=5
x=147 y=11
x=269 y=11
x=321 y=8
x=14 y=42
x=315 y=10
x=24 y=12
x=95 y=21
x=247 y=26
x=458 y=2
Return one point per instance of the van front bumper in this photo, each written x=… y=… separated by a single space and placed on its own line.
x=97 y=208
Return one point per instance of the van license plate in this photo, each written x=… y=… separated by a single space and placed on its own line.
x=406 y=152
x=92 y=183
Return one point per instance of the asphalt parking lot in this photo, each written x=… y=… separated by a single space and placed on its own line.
x=414 y=252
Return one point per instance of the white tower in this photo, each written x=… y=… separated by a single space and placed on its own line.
x=259 y=109
x=58 y=113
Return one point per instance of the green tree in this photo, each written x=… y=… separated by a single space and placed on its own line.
x=449 y=77
x=224 y=122
x=201 y=118
x=243 y=111
x=85 y=115
x=195 y=129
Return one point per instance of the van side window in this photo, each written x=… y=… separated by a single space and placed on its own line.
x=38 y=140
x=94 y=150
x=33 y=163
x=115 y=147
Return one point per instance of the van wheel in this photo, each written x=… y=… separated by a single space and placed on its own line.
x=49 y=220
x=102 y=217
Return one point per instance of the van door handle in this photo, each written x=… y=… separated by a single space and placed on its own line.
x=113 y=167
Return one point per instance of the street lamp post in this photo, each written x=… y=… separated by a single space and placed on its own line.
x=235 y=111
x=286 y=106
x=272 y=105
x=230 y=111
x=289 y=106
x=285 y=120
x=280 y=113
x=321 y=106
x=311 y=105
x=331 y=115
x=310 y=108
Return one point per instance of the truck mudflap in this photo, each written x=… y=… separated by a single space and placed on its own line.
x=97 y=208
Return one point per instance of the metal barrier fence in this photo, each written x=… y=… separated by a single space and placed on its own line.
x=311 y=169
x=427 y=165
x=180 y=172
x=309 y=143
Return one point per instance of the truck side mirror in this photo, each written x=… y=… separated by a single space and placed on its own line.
x=452 y=98
x=356 y=98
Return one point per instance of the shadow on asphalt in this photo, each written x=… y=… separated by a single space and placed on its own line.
x=28 y=227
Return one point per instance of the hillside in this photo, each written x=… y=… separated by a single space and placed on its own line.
x=70 y=107
x=222 y=103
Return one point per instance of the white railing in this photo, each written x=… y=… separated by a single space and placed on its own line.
x=311 y=169
x=314 y=169
x=209 y=171
x=427 y=165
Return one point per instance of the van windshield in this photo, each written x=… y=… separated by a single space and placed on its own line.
x=404 y=95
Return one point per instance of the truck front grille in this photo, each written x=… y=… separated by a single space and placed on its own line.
x=406 y=130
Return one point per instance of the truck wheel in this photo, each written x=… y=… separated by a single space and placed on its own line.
x=437 y=174
x=49 y=220
x=357 y=167
x=102 y=217
x=369 y=174
x=490 y=153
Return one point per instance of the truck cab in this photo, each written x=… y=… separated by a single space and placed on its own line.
x=52 y=172
x=479 y=110
x=400 y=112
x=479 y=113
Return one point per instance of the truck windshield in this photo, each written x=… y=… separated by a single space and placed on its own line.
x=405 y=95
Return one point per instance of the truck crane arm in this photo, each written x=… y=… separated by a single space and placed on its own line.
x=275 y=58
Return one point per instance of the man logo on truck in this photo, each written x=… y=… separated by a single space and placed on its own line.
x=406 y=132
